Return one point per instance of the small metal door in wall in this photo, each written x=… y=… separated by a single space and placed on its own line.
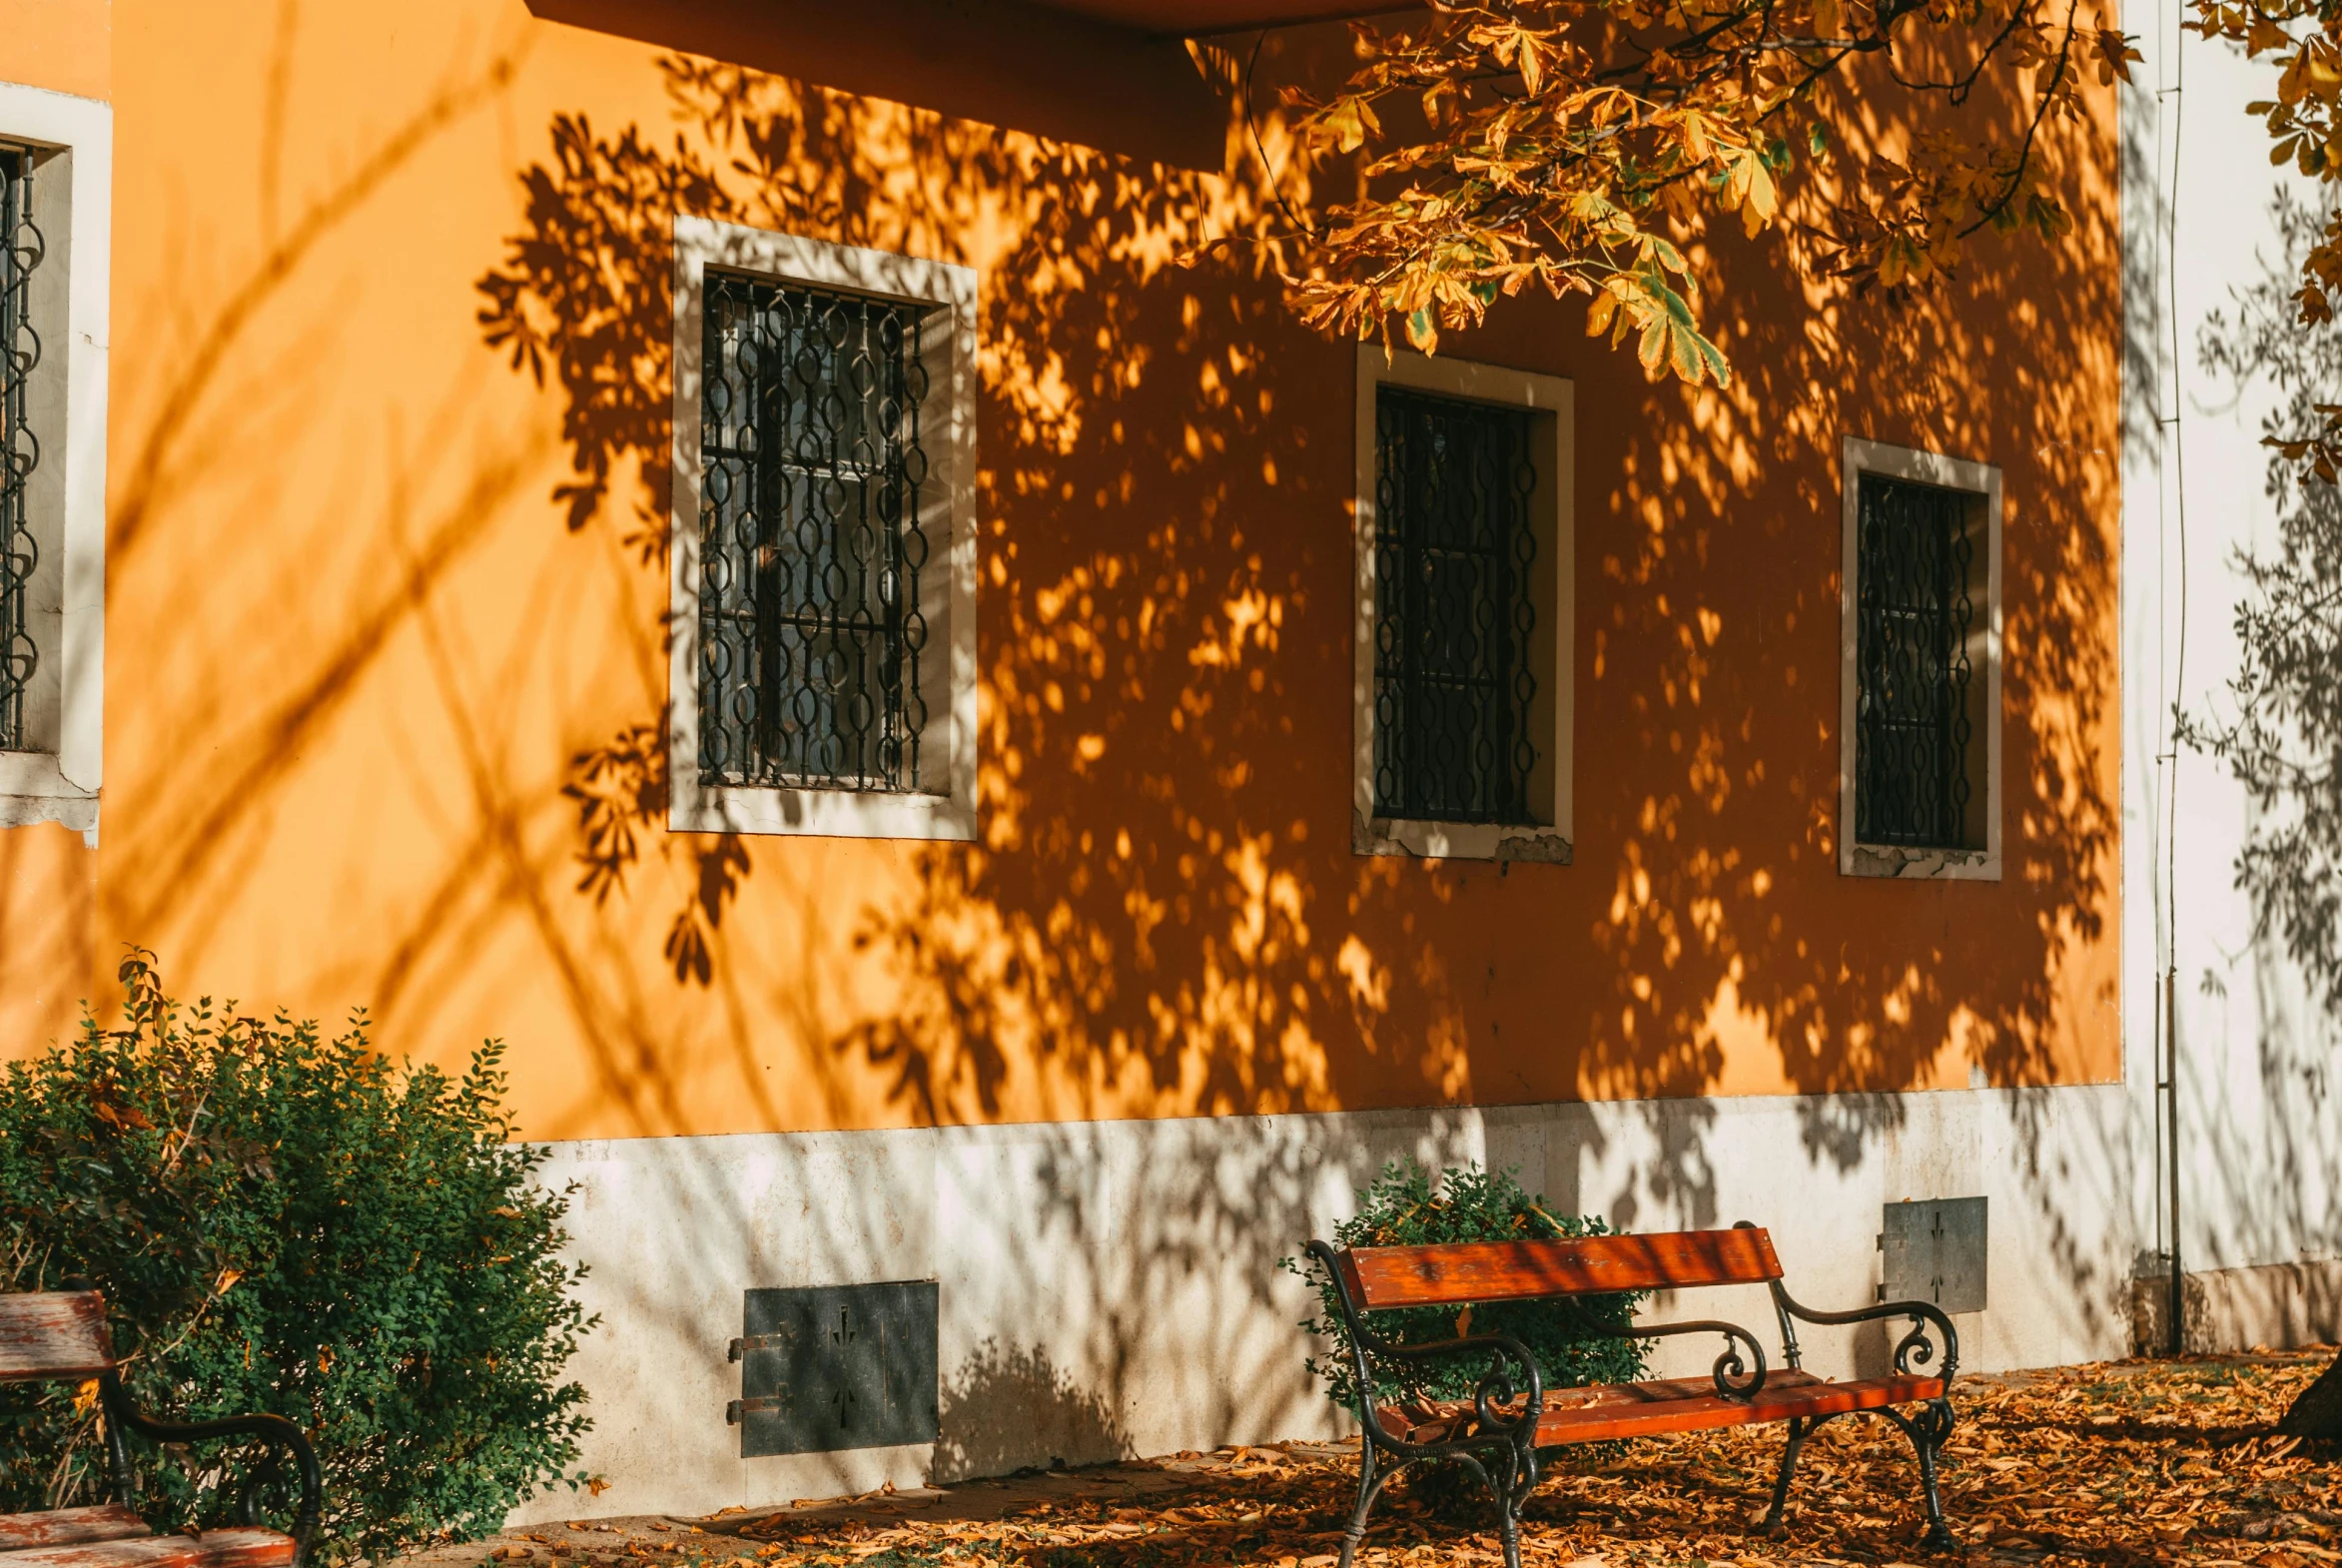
x=836 y=1366
x=1935 y=1251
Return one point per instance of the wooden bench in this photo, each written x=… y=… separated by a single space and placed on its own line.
x=1498 y=1432
x=61 y=1336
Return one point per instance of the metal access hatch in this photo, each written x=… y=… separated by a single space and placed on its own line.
x=1935 y=1251
x=836 y=1366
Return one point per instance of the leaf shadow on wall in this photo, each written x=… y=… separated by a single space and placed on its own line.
x=1162 y=914
x=1156 y=952
x=2266 y=1162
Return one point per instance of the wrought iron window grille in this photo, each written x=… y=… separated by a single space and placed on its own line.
x=21 y=249
x=811 y=551
x=1914 y=555
x=1454 y=610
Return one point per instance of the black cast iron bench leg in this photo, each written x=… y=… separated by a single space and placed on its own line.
x=1929 y=1431
x=1799 y=1430
x=1370 y=1486
x=1509 y=1500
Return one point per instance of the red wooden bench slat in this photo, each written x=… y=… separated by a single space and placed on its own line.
x=1680 y=1404
x=1450 y=1274
x=1423 y=1415
x=1595 y=1423
x=239 y=1548
x=55 y=1334
x=65 y=1527
x=1660 y=1390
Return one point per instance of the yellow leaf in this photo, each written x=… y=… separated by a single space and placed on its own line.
x=1599 y=313
x=1350 y=121
x=1695 y=136
x=1890 y=263
x=2289 y=85
x=85 y=1397
x=1762 y=199
x=1532 y=73
x=227 y=1281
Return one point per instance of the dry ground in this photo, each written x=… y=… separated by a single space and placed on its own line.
x=2130 y=1462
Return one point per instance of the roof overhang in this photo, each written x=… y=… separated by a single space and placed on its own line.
x=1110 y=74
x=1195 y=18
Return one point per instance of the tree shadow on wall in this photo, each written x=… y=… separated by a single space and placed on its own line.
x=1096 y=644
x=1001 y=1408
x=2280 y=739
x=1162 y=914
x=1710 y=618
x=200 y=413
x=1112 y=381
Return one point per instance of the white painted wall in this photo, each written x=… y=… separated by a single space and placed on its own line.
x=1111 y=1288
x=2260 y=1146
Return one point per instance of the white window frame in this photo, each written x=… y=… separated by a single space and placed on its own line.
x=1552 y=397
x=59 y=778
x=1982 y=480
x=945 y=805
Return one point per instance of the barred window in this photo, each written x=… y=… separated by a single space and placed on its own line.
x=811 y=630
x=1916 y=618
x=1454 y=609
x=20 y=447
x=56 y=162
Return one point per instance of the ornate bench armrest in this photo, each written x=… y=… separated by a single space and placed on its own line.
x=1734 y=1379
x=1915 y=1352
x=1508 y=1359
x=273 y=1429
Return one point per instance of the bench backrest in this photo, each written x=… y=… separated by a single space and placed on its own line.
x=53 y=1335
x=1460 y=1271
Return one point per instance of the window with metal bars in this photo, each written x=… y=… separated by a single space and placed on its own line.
x=1914 y=555
x=811 y=554
x=20 y=447
x=1454 y=612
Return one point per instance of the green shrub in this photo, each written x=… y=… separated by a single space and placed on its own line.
x=1402 y=1208
x=287 y=1223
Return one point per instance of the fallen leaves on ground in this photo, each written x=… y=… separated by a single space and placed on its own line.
x=2165 y=1462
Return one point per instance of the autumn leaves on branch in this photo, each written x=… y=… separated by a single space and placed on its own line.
x=2304 y=43
x=1558 y=142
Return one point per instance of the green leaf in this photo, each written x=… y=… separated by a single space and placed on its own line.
x=1654 y=345
x=286 y=1222
x=1713 y=358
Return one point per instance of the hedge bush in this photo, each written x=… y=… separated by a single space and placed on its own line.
x=1408 y=1207
x=286 y=1222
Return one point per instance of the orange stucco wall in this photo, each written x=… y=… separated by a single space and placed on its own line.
x=48 y=875
x=65 y=46
x=385 y=646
